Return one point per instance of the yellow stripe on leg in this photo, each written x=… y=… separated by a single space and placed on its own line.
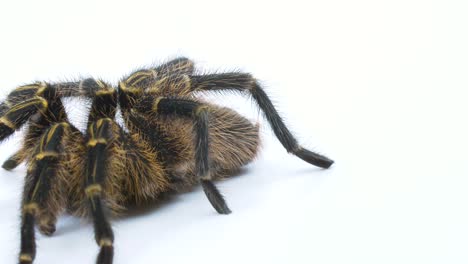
x=93 y=190
x=93 y=142
x=31 y=208
x=43 y=154
x=105 y=242
x=4 y=120
x=25 y=257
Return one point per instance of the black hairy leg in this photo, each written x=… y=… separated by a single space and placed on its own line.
x=14 y=160
x=146 y=77
x=167 y=75
x=243 y=82
x=37 y=195
x=199 y=113
x=39 y=122
x=99 y=135
x=98 y=138
x=20 y=105
x=15 y=117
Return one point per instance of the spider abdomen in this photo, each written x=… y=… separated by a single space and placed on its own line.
x=233 y=142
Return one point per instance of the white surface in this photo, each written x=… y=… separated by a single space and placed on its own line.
x=379 y=86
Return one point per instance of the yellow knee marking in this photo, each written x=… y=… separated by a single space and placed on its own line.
x=42 y=155
x=41 y=88
x=64 y=124
x=102 y=120
x=105 y=242
x=105 y=92
x=93 y=190
x=200 y=109
x=93 y=142
x=156 y=103
x=206 y=177
x=25 y=257
x=123 y=86
x=141 y=76
x=6 y=122
x=31 y=208
x=44 y=102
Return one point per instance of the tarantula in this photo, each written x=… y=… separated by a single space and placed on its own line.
x=170 y=141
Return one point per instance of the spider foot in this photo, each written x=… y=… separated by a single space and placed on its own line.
x=47 y=229
x=314 y=158
x=215 y=197
x=9 y=165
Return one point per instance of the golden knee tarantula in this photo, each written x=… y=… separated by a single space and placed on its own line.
x=172 y=140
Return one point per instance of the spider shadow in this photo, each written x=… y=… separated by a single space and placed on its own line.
x=313 y=170
x=169 y=198
x=73 y=223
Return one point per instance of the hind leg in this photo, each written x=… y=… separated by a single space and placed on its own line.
x=242 y=82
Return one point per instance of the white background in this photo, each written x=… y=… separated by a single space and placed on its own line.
x=379 y=86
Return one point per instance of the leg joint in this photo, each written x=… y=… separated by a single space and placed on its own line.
x=25 y=257
x=106 y=242
x=7 y=122
x=93 y=190
x=95 y=141
x=31 y=208
x=201 y=109
x=46 y=154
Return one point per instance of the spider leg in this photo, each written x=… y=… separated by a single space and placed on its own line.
x=97 y=155
x=27 y=100
x=17 y=115
x=38 y=123
x=38 y=190
x=85 y=88
x=199 y=113
x=99 y=136
x=14 y=160
x=243 y=82
x=179 y=65
x=145 y=77
x=132 y=86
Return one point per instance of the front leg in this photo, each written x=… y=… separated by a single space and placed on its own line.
x=199 y=113
x=99 y=139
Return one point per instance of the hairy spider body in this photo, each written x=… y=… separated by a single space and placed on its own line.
x=172 y=140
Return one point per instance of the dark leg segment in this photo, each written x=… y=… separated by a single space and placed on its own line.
x=199 y=113
x=99 y=137
x=145 y=77
x=14 y=160
x=41 y=174
x=38 y=123
x=180 y=65
x=17 y=115
x=25 y=101
x=245 y=82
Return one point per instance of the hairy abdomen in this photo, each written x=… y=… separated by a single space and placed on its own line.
x=234 y=142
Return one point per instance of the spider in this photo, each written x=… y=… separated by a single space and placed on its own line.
x=170 y=141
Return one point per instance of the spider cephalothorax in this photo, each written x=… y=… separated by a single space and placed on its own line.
x=172 y=140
